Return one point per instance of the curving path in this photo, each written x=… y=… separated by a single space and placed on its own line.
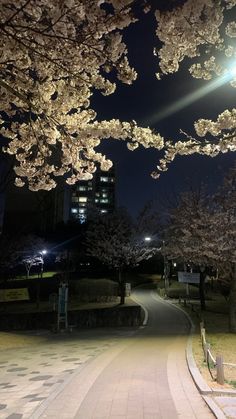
x=106 y=374
x=142 y=377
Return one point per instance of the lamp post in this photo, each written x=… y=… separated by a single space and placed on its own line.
x=166 y=267
x=42 y=253
x=41 y=263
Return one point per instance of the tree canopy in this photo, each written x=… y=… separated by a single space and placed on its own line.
x=202 y=231
x=55 y=55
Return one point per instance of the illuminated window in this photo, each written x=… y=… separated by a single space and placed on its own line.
x=112 y=179
x=83 y=199
x=104 y=201
x=82 y=188
x=74 y=210
x=104 y=179
x=103 y=211
x=96 y=200
x=82 y=210
x=104 y=194
x=82 y=204
x=75 y=199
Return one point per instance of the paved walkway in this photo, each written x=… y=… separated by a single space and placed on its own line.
x=106 y=374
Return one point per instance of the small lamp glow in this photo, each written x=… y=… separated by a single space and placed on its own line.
x=147 y=239
x=44 y=251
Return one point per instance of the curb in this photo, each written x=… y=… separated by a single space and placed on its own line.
x=145 y=320
x=214 y=408
x=199 y=381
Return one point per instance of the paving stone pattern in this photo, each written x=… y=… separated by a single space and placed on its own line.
x=29 y=375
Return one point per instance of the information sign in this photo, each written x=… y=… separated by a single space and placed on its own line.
x=189 y=277
x=15 y=294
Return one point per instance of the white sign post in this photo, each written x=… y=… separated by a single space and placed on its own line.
x=189 y=278
x=62 y=305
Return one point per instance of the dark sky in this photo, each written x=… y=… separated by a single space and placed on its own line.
x=143 y=101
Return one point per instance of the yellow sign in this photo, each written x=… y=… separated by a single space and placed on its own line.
x=15 y=294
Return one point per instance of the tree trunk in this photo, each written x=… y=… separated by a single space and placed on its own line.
x=38 y=293
x=27 y=271
x=232 y=301
x=202 y=290
x=122 y=289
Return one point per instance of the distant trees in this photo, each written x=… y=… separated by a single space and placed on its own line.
x=21 y=249
x=202 y=231
x=118 y=243
x=187 y=237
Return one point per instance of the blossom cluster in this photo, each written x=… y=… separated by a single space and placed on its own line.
x=54 y=55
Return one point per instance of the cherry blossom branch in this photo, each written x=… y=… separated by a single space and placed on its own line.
x=17 y=12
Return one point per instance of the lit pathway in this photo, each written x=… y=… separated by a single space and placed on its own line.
x=105 y=374
x=149 y=378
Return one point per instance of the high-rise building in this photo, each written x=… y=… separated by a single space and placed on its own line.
x=97 y=193
x=41 y=212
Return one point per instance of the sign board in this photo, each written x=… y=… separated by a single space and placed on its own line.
x=189 y=277
x=62 y=305
x=14 y=294
x=127 y=289
x=62 y=302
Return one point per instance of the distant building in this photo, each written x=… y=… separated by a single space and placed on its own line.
x=41 y=212
x=96 y=194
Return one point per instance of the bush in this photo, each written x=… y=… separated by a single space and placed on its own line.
x=94 y=290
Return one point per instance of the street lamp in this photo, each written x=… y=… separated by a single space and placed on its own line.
x=41 y=263
x=42 y=253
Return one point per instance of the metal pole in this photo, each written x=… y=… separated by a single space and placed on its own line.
x=220 y=370
x=166 y=282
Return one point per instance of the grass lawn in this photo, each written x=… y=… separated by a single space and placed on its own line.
x=216 y=324
x=217 y=335
x=48 y=274
x=15 y=340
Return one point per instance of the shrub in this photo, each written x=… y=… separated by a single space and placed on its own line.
x=94 y=290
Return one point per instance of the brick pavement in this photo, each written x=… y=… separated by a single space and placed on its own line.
x=106 y=374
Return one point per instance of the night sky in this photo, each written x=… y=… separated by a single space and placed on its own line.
x=143 y=102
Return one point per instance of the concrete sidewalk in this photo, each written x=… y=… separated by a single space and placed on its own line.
x=144 y=377
x=110 y=374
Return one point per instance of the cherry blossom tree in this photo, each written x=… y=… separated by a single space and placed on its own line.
x=203 y=32
x=187 y=237
x=225 y=233
x=202 y=232
x=55 y=54
x=20 y=249
x=116 y=242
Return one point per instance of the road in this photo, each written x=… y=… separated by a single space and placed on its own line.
x=109 y=374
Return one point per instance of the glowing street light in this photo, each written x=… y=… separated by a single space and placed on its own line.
x=147 y=239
